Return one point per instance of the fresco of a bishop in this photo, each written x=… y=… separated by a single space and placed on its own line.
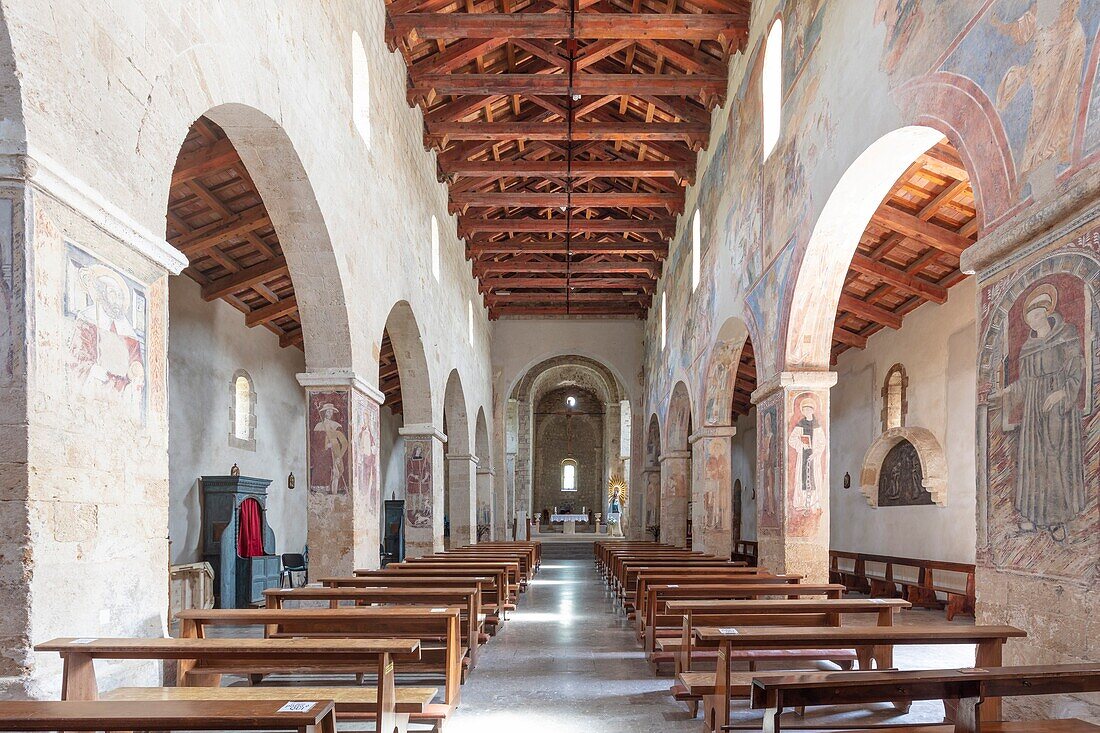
x=808 y=443
x=1050 y=481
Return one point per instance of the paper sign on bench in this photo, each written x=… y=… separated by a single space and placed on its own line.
x=296 y=707
x=728 y=630
x=83 y=641
x=438 y=610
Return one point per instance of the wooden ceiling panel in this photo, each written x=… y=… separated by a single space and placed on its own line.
x=562 y=127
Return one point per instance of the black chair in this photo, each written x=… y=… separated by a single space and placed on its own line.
x=293 y=562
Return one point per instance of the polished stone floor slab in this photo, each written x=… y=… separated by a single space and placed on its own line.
x=568 y=662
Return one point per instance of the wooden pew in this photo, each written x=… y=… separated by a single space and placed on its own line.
x=692 y=685
x=528 y=556
x=510 y=569
x=468 y=598
x=493 y=585
x=235 y=715
x=526 y=567
x=978 y=692
x=746 y=551
x=919 y=585
x=361 y=622
x=649 y=578
x=202 y=662
x=990 y=641
x=629 y=591
x=615 y=568
x=502 y=587
x=658 y=622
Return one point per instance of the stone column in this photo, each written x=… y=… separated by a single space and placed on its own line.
x=509 y=486
x=462 y=512
x=423 y=489
x=675 y=487
x=711 y=490
x=344 y=503
x=793 y=473
x=486 y=511
x=651 y=475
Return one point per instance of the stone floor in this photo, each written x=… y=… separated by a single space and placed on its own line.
x=568 y=662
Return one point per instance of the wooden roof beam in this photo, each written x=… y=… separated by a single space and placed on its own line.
x=659 y=251
x=562 y=310
x=691 y=133
x=203 y=239
x=922 y=231
x=706 y=85
x=271 y=312
x=869 y=312
x=651 y=269
x=550 y=282
x=588 y=26
x=900 y=279
x=204 y=161
x=578 y=169
x=246 y=278
x=672 y=202
x=663 y=227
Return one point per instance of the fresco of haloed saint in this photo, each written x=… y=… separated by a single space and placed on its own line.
x=329 y=459
x=769 y=468
x=418 y=482
x=7 y=292
x=366 y=449
x=716 y=468
x=807 y=463
x=1039 y=417
x=107 y=321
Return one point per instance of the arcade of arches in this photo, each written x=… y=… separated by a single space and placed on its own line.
x=810 y=277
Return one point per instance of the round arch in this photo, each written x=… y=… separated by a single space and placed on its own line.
x=460 y=472
x=487 y=509
x=678 y=424
x=720 y=386
x=412 y=364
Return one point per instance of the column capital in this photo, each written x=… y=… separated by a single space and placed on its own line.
x=651 y=469
x=463 y=457
x=486 y=470
x=422 y=430
x=675 y=455
x=811 y=380
x=340 y=379
x=713 y=431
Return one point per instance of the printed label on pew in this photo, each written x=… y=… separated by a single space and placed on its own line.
x=672 y=586
x=439 y=610
x=83 y=641
x=296 y=707
x=728 y=630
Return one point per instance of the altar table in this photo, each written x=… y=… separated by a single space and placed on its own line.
x=569 y=521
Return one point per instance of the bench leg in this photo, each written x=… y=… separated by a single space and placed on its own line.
x=78 y=680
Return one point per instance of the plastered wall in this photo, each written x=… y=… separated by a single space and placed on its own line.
x=207 y=344
x=937 y=345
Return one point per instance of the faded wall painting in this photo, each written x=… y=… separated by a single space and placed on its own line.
x=769 y=466
x=807 y=462
x=1039 y=414
x=7 y=292
x=365 y=451
x=901 y=479
x=328 y=445
x=107 y=318
x=418 y=482
x=716 y=479
x=720 y=381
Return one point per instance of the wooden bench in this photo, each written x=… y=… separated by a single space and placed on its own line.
x=489 y=585
x=468 y=598
x=500 y=591
x=658 y=622
x=428 y=625
x=746 y=551
x=919 y=586
x=169 y=715
x=630 y=590
x=202 y=662
x=686 y=577
x=978 y=692
x=525 y=557
x=510 y=569
x=990 y=641
x=693 y=684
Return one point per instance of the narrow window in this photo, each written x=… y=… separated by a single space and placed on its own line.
x=771 y=81
x=664 y=321
x=435 y=248
x=568 y=475
x=360 y=88
x=242 y=414
x=894 y=405
x=696 y=244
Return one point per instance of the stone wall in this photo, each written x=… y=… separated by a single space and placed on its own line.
x=208 y=344
x=559 y=433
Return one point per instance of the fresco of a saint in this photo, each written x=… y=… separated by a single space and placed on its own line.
x=807 y=440
x=335 y=445
x=1050 y=482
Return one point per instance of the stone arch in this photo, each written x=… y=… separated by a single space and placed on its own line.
x=272 y=162
x=721 y=380
x=651 y=475
x=582 y=371
x=678 y=423
x=676 y=469
x=817 y=286
x=932 y=462
x=460 y=476
x=412 y=365
x=487 y=504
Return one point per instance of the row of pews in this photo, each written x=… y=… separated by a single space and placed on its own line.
x=356 y=648
x=711 y=622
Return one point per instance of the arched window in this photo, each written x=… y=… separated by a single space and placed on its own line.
x=894 y=404
x=242 y=415
x=696 y=244
x=664 y=321
x=771 y=82
x=568 y=475
x=435 y=248
x=360 y=88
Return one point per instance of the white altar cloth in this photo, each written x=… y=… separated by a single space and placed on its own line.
x=568 y=517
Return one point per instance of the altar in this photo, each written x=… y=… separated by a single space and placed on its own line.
x=568 y=521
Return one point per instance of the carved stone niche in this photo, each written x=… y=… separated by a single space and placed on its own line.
x=933 y=465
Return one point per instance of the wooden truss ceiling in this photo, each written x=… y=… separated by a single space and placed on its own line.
x=909 y=253
x=389 y=380
x=745 y=381
x=567 y=131
x=218 y=220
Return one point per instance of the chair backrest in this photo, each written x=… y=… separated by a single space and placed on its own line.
x=293 y=560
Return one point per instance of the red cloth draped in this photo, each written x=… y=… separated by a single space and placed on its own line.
x=250 y=541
